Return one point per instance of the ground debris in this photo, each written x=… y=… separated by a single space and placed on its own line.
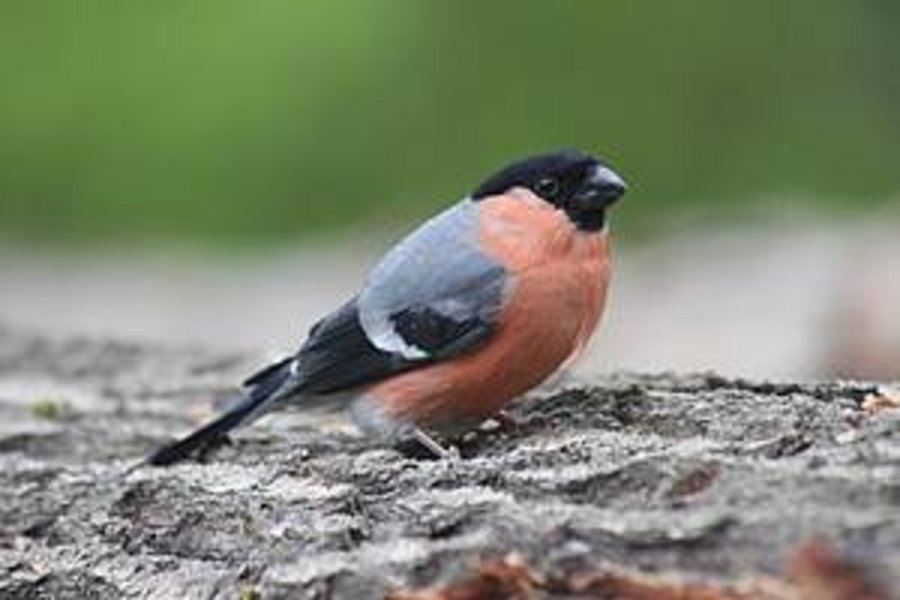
x=628 y=484
x=814 y=572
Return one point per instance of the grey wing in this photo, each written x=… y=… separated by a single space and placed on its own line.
x=432 y=287
x=432 y=297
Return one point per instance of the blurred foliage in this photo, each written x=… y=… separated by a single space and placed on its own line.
x=228 y=120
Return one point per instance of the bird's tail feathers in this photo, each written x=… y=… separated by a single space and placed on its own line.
x=272 y=384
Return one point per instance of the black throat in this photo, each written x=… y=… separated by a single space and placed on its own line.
x=591 y=221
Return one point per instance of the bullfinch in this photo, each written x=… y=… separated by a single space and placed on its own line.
x=477 y=306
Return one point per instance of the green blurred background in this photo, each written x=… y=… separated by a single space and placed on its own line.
x=225 y=122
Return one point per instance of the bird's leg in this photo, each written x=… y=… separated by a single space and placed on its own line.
x=433 y=446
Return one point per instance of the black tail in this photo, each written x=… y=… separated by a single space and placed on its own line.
x=266 y=386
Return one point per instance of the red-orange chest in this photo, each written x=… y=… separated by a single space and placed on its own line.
x=559 y=277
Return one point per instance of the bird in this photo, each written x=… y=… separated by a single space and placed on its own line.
x=472 y=309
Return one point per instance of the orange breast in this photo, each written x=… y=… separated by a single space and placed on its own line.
x=554 y=301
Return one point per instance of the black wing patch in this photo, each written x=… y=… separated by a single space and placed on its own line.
x=437 y=334
x=338 y=354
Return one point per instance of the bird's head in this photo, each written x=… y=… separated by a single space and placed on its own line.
x=573 y=181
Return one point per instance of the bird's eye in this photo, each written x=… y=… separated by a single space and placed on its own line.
x=547 y=187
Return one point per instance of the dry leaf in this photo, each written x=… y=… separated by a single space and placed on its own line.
x=814 y=572
x=507 y=578
x=819 y=573
x=624 y=585
x=886 y=398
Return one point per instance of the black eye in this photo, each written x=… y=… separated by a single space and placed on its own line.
x=547 y=187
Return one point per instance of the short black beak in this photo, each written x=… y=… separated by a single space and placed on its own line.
x=603 y=187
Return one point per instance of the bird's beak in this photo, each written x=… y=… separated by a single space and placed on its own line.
x=602 y=188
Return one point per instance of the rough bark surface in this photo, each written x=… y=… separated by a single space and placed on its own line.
x=696 y=476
